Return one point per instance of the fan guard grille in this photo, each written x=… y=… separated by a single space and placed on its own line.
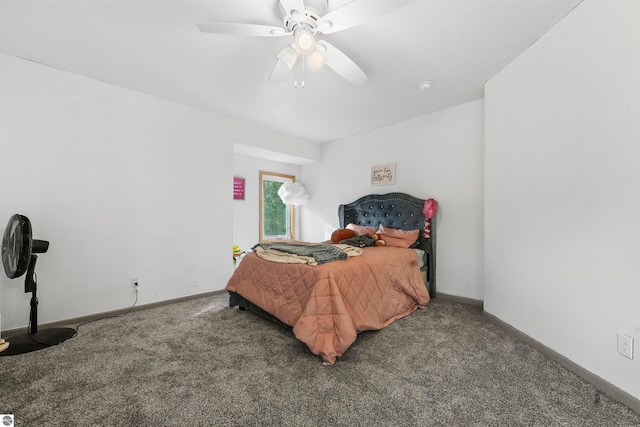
x=16 y=246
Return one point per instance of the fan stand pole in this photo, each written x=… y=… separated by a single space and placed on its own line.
x=31 y=285
x=33 y=328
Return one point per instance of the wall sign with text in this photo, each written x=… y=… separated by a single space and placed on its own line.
x=383 y=174
x=238 y=188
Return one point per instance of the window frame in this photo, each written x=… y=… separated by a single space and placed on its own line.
x=290 y=209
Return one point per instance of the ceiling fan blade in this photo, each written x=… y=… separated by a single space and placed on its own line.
x=342 y=64
x=252 y=30
x=289 y=5
x=355 y=13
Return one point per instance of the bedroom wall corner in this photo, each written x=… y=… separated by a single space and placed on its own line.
x=561 y=186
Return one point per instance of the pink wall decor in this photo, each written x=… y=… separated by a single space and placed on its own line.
x=238 y=188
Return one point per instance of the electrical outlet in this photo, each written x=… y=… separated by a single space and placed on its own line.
x=135 y=282
x=625 y=345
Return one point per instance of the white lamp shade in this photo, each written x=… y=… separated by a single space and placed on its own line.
x=293 y=193
x=305 y=43
x=316 y=59
x=289 y=56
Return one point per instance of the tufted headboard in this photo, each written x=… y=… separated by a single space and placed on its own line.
x=395 y=210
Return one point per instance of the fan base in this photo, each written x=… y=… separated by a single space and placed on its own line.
x=22 y=343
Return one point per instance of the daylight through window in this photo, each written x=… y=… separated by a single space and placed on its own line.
x=276 y=218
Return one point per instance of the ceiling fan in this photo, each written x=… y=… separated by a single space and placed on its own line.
x=305 y=20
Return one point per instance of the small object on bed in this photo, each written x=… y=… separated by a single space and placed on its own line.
x=359 y=241
x=342 y=234
x=430 y=209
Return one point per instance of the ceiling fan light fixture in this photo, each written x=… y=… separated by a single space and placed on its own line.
x=304 y=20
x=316 y=59
x=305 y=43
x=289 y=56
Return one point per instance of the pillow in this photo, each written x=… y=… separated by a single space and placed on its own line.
x=342 y=234
x=398 y=238
x=362 y=230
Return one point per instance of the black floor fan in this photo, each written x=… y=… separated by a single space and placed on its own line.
x=18 y=257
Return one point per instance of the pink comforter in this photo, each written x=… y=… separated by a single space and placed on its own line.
x=328 y=304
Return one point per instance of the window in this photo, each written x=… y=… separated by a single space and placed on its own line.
x=276 y=219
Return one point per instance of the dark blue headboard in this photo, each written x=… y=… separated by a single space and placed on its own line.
x=395 y=210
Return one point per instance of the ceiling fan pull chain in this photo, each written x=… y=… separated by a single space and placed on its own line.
x=299 y=72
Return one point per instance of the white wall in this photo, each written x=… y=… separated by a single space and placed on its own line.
x=438 y=155
x=246 y=213
x=121 y=184
x=562 y=189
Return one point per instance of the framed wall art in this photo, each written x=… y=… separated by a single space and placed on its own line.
x=383 y=174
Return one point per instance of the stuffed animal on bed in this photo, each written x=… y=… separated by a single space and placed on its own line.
x=351 y=237
x=378 y=239
x=342 y=234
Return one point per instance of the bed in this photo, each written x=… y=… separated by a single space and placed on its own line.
x=327 y=305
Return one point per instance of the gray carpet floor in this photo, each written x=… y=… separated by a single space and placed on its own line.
x=200 y=363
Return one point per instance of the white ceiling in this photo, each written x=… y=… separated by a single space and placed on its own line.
x=155 y=47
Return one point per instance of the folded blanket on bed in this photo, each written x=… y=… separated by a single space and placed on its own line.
x=301 y=253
